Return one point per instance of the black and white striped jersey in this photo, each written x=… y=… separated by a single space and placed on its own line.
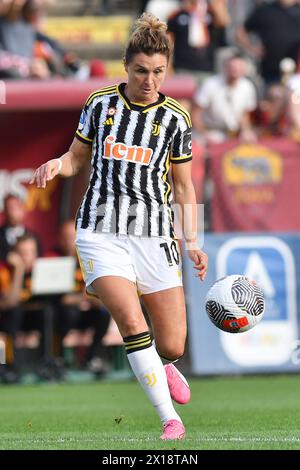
x=132 y=148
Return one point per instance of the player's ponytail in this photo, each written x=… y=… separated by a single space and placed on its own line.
x=149 y=35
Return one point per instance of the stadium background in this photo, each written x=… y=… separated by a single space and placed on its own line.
x=252 y=226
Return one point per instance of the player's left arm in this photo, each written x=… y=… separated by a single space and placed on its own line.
x=185 y=196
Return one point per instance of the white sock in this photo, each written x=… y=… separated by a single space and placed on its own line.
x=148 y=369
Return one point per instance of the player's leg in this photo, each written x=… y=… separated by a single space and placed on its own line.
x=168 y=317
x=158 y=269
x=120 y=297
x=167 y=312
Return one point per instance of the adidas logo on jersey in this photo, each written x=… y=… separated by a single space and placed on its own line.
x=121 y=151
x=109 y=122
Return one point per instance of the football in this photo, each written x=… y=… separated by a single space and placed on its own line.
x=235 y=303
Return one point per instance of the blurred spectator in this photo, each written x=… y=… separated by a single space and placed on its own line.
x=197 y=29
x=25 y=52
x=46 y=49
x=79 y=312
x=219 y=23
x=143 y=4
x=14 y=227
x=273 y=111
x=291 y=76
x=239 y=10
x=222 y=105
x=39 y=10
x=287 y=68
x=17 y=38
x=18 y=311
x=162 y=9
x=97 y=7
x=277 y=25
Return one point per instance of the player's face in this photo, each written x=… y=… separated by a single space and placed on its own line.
x=145 y=76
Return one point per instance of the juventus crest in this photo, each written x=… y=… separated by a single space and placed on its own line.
x=155 y=128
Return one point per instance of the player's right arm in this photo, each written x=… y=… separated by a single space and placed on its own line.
x=67 y=165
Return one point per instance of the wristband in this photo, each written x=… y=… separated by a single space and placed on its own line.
x=59 y=164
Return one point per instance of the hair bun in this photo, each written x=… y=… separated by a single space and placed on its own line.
x=149 y=22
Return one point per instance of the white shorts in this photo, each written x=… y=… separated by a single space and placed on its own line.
x=154 y=264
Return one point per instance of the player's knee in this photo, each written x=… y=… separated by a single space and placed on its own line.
x=131 y=326
x=171 y=352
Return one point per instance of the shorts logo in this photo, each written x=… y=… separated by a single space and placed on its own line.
x=120 y=151
x=155 y=128
x=90 y=265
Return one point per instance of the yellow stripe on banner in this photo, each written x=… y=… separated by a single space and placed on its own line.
x=181 y=108
x=95 y=30
x=146 y=343
x=103 y=91
x=84 y=137
x=183 y=114
x=136 y=341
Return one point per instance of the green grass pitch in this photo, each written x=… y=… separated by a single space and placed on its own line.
x=225 y=413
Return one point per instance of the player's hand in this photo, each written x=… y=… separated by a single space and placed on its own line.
x=45 y=173
x=200 y=260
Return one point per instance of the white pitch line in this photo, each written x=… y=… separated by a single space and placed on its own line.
x=141 y=440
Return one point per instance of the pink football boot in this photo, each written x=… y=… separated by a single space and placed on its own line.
x=173 y=429
x=178 y=386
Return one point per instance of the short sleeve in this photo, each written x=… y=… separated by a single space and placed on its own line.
x=86 y=130
x=182 y=143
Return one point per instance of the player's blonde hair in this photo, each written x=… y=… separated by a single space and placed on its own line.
x=149 y=35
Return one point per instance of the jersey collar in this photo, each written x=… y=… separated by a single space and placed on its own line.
x=136 y=106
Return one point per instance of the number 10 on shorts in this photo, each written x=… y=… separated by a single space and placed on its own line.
x=171 y=253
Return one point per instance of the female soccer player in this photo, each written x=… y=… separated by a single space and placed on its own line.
x=125 y=235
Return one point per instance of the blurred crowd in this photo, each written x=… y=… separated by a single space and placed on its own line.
x=26 y=52
x=76 y=320
x=244 y=55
